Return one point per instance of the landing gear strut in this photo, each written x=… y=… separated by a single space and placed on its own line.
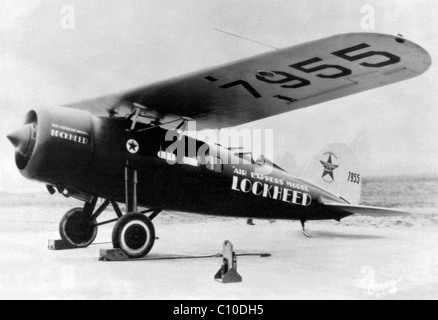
x=134 y=232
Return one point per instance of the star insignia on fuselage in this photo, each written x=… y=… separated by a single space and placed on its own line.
x=132 y=146
x=329 y=168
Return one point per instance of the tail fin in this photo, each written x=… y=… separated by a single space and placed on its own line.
x=336 y=169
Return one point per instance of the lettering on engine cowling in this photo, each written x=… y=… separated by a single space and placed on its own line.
x=69 y=134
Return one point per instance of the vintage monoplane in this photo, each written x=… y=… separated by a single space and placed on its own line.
x=116 y=148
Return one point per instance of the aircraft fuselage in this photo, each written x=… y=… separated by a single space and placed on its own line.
x=85 y=154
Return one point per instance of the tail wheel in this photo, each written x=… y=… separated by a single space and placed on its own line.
x=134 y=234
x=77 y=229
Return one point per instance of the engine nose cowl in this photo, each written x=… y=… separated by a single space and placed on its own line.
x=24 y=139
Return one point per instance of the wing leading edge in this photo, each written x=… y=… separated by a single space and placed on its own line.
x=278 y=82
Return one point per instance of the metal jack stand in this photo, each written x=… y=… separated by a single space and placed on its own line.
x=228 y=272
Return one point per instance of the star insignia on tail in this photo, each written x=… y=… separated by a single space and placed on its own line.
x=329 y=168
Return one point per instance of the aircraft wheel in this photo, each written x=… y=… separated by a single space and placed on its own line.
x=134 y=234
x=77 y=230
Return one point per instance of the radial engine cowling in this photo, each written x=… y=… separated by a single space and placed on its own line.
x=54 y=146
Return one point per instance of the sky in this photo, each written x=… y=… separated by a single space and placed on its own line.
x=47 y=59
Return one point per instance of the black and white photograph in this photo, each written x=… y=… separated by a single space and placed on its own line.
x=202 y=152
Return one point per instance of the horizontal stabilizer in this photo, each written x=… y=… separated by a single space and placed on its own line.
x=367 y=211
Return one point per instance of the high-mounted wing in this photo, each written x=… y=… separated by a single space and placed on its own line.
x=279 y=81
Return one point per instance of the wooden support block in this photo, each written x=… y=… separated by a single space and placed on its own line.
x=113 y=255
x=56 y=245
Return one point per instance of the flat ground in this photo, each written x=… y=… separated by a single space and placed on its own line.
x=360 y=258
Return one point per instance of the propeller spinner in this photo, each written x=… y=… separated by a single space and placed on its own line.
x=24 y=139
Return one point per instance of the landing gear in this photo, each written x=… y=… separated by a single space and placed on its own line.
x=134 y=234
x=305 y=232
x=77 y=229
